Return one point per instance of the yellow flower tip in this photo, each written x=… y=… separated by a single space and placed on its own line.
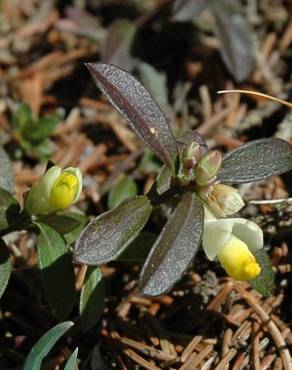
x=238 y=261
x=64 y=191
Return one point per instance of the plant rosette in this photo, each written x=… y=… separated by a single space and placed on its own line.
x=198 y=182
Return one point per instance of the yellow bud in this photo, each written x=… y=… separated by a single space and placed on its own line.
x=238 y=261
x=64 y=191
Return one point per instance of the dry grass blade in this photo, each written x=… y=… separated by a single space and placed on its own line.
x=250 y=92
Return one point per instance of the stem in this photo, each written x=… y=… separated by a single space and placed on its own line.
x=175 y=189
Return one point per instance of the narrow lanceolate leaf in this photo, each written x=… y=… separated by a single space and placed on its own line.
x=136 y=104
x=55 y=263
x=92 y=298
x=175 y=247
x=40 y=350
x=5 y=267
x=6 y=171
x=72 y=362
x=265 y=282
x=233 y=33
x=105 y=238
x=9 y=209
x=256 y=160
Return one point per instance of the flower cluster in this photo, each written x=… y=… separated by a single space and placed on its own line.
x=232 y=240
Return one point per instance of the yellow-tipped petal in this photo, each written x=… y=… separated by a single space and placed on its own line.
x=64 y=191
x=238 y=261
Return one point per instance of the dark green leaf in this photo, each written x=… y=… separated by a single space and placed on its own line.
x=233 y=33
x=175 y=247
x=256 y=160
x=5 y=267
x=117 y=48
x=123 y=189
x=68 y=224
x=57 y=271
x=9 y=209
x=72 y=362
x=40 y=350
x=105 y=238
x=92 y=298
x=265 y=282
x=187 y=10
x=132 y=100
x=139 y=249
x=6 y=171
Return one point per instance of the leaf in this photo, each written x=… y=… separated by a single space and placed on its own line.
x=187 y=10
x=68 y=224
x=40 y=350
x=163 y=180
x=92 y=299
x=135 y=103
x=72 y=362
x=9 y=209
x=234 y=33
x=265 y=282
x=139 y=249
x=149 y=164
x=22 y=119
x=191 y=136
x=57 y=271
x=6 y=172
x=256 y=160
x=175 y=247
x=97 y=361
x=105 y=238
x=117 y=47
x=5 y=267
x=155 y=82
x=123 y=189
x=42 y=130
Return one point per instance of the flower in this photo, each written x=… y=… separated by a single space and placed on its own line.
x=233 y=241
x=223 y=200
x=56 y=190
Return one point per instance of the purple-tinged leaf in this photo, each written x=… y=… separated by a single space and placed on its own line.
x=175 y=247
x=187 y=10
x=255 y=161
x=233 y=33
x=106 y=237
x=136 y=104
x=190 y=136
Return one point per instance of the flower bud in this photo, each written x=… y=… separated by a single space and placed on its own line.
x=223 y=200
x=207 y=168
x=191 y=155
x=56 y=190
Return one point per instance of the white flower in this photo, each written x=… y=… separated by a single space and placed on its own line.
x=233 y=241
x=222 y=199
x=57 y=189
